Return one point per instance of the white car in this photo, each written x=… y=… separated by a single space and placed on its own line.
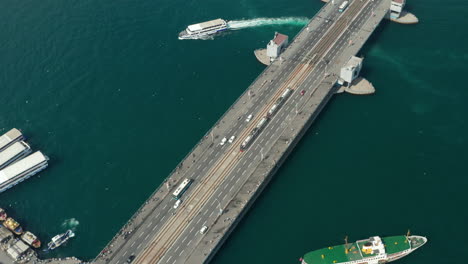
x=248 y=118
x=223 y=141
x=232 y=139
x=177 y=203
x=203 y=230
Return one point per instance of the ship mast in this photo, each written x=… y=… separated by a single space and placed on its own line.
x=408 y=233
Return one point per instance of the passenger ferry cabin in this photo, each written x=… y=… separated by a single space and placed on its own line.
x=9 y=138
x=22 y=170
x=204 y=29
x=14 y=152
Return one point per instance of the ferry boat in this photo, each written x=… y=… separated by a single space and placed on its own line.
x=3 y=215
x=22 y=170
x=58 y=240
x=31 y=239
x=204 y=29
x=374 y=250
x=14 y=226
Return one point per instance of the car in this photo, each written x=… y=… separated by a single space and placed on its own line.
x=248 y=118
x=177 y=203
x=130 y=259
x=302 y=92
x=223 y=141
x=232 y=139
x=203 y=230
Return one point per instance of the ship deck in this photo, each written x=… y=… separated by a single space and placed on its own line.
x=337 y=254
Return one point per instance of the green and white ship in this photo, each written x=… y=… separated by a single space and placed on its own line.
x=374 y=250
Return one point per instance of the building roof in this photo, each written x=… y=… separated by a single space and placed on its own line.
x=17 y=249
x=280 y=38
x=4 y=233
x=353 y=62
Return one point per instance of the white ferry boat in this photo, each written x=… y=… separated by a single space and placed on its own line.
x=204 y=29
x=22 y=169
x=58 y=240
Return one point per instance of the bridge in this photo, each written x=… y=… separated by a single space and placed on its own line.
x=226 y=180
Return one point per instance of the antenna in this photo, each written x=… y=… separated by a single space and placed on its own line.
x=346 y=244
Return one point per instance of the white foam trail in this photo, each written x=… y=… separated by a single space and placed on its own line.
x=260 y=22
x=71 y=223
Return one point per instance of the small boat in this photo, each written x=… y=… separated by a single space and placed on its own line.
x=31 y=239
x=14 y=226
x=3 y=215
x=58 y=240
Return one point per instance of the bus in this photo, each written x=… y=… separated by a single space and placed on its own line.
x=343 y=6
x=181 y=189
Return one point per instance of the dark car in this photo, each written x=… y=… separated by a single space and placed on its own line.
x=130 y=259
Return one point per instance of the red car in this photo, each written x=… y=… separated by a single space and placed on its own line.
x=302 y=92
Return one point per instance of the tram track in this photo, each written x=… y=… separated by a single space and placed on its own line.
x=179 y=221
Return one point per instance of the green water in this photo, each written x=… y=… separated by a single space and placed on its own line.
x=106 y=90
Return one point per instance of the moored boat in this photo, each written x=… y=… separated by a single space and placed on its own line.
x=58 y=240
x=31 y=239
x=14 y=226
x=3 y=215
x=374 y=250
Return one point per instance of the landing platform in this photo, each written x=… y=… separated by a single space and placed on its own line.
x=406 y=18
x=360 y=86
x=261 y=56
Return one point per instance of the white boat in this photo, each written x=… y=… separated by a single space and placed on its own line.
x=58 y=240
x=204 y=29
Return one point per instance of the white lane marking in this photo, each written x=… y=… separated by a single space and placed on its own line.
x=191 y=229
x=168 y=259
x=198 y=221
x=242 y=174
x=125 y=253
x=165 y=206
x=230 y=190
x=189 y=242
x=141 y=234
x=182 y=252
x=146 y=238
x=132 y=244
x=177 y=249
x=155 y=227
x=149 y=224
x=211 y=214
x=139 y=245
x=185 y=238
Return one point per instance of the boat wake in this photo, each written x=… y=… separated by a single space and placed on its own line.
x=71 y=223
x=261 y=22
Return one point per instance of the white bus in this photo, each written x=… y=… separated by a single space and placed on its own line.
x=181 y=188
x=343 y=6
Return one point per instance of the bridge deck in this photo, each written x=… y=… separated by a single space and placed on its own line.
x=227 y=181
